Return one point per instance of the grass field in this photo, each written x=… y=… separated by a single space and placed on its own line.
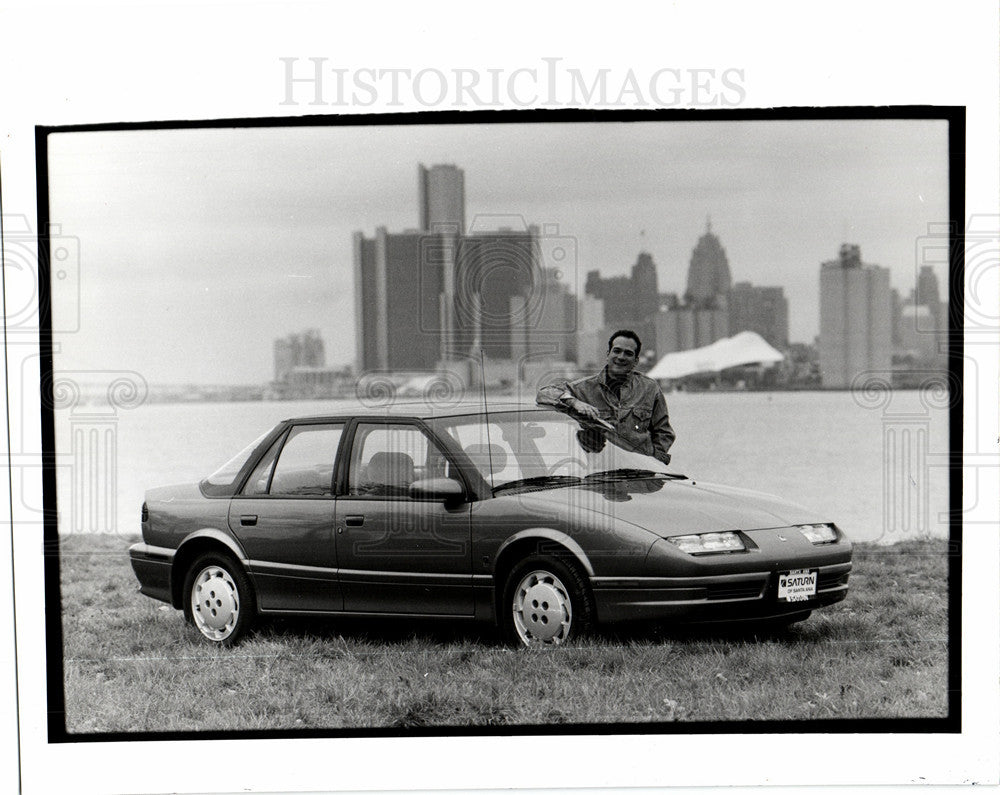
x=133 y=665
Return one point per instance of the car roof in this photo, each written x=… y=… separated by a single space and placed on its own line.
x=420 y=409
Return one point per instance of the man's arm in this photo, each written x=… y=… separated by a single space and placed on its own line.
x=557 y=395
x=660 y=432
x=561 y=396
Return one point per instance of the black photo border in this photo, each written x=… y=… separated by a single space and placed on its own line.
x=955 y=116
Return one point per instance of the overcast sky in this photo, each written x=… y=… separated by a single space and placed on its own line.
x=198 y=248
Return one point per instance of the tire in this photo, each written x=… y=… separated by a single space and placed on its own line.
x=545 y=602
x=218 y=598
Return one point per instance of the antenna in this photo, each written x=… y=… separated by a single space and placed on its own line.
x=486 y=411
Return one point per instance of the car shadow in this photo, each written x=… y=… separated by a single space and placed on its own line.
x=396 y=629
x=380 y=629
x=734 y=631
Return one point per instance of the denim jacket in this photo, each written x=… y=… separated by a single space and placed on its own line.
x=639 y=415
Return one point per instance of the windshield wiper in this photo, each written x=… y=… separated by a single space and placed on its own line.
x=625 y=473
x=540 y=482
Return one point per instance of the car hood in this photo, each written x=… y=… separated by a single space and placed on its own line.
x=675 y=507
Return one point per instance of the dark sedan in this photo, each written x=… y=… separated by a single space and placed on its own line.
x=540 y=522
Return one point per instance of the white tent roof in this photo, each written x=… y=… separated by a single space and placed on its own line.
x=747 y=347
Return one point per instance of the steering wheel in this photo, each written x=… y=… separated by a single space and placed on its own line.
x=565 y=462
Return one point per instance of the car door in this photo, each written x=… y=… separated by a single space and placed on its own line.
x=284 y=517
x=398 y=554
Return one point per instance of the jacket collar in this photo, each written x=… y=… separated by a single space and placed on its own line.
x=603 y=380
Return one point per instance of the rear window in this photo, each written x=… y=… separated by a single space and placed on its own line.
x=223 y=481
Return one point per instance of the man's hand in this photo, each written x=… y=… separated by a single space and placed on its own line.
x=588 y=411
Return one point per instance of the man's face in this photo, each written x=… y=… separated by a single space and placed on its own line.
x=622 y=357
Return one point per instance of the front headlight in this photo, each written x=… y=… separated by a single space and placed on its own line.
x=818 y=533
x=704 y=543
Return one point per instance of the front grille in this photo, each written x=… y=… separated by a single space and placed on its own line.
x=736 y=590
x=832 y=580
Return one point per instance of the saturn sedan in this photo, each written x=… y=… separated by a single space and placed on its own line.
x=540 y=522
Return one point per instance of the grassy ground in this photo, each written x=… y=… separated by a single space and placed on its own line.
x=133 y=664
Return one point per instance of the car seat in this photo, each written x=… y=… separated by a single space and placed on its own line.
x=389 y=474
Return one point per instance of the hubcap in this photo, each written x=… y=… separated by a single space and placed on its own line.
x=543 y=612
x=215 y=603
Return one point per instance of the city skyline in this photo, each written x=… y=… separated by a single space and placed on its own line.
x=200 y=247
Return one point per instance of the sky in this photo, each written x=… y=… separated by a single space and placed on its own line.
x=197 y=248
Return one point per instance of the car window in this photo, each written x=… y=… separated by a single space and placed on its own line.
x=306 y=461
x=517 y=445
x=225 y=475
x=487 y=448
x=386 y=459
x=260 y=478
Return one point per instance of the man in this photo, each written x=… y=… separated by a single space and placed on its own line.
x=632 y=403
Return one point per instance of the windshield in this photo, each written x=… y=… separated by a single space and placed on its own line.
x=515 y=446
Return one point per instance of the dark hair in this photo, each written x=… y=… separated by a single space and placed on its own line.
x=628 y=334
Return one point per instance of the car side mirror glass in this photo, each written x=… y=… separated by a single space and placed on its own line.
x=437 y=489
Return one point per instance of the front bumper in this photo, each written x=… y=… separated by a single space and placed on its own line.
x=746 y=596
x=152 y=568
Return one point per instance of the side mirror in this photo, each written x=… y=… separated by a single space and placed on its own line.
x=444 y=489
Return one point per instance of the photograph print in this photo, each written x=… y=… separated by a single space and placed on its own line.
x=502 y=423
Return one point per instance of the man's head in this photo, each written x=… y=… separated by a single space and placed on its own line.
x=623 y=352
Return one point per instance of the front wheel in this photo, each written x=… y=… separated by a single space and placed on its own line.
x=545 y=602
x=218 y=598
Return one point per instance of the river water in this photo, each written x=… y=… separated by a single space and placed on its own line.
x=876 y=464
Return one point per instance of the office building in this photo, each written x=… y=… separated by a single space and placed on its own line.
x=298 y=350
x=683 y=328
x=398 y=309
x=426 y=299
x=439 y=297
x=916 y=340
x=763 y=310
x=708 y=272
x=855 y=335
x=627 y=299
x=442 y=198
x=928 y=294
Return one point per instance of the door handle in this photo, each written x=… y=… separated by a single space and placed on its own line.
x=248 y=520
x=354 y=521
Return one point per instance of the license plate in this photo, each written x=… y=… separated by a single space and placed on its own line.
x=797 y=585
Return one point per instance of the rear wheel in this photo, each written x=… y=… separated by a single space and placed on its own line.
x=218 y=598
x=545 y=602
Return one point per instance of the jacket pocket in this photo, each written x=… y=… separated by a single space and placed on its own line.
x=641 y=416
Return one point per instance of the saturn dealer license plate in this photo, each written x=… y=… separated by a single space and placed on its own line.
x=797 y=585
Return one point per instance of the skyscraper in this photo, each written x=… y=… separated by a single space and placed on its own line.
x=763 y=310
x=442 y=198
x=855 y=328
x=708 y=273
x=440 y=296
x=627 y=299
x=495 y=277
x=298 y=350
x=398 y=285
x=927 y=294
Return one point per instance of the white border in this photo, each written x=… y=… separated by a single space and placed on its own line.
x=64 y=64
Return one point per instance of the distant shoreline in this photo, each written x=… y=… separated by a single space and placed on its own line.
x=505 y=393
